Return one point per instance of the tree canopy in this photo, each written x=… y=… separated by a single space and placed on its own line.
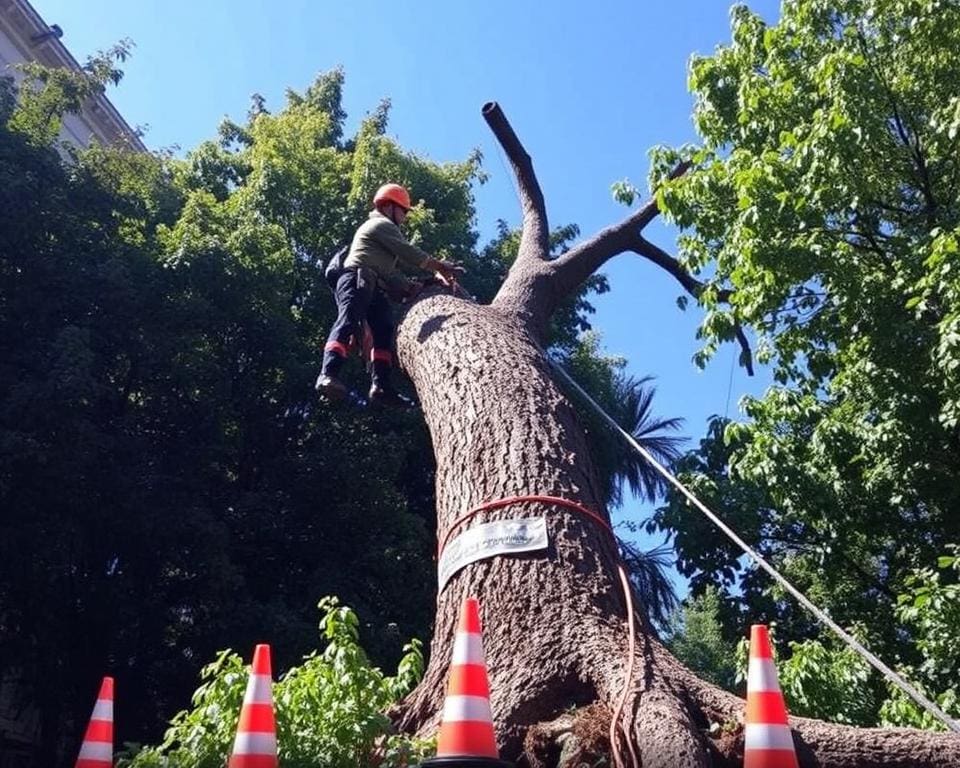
x=169 y=481
x=821 y=209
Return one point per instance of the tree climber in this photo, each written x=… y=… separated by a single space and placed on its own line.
x=369 y=276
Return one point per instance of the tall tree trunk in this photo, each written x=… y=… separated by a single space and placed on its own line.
x=555 y=621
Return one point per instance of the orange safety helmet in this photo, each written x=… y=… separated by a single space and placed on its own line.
x=393 y=193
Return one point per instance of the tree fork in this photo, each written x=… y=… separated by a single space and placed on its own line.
x=554 y=621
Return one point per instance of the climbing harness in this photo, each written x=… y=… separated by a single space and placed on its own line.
x=888 y=673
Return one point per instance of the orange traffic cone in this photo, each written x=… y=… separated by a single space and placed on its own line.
x=466 y=736
x=256 y=742
x=96 y=751
x=768 y=742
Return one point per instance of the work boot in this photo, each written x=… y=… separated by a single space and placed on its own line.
x=331 y=388
x=384 y=394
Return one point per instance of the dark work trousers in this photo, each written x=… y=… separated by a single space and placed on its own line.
x=358 y=299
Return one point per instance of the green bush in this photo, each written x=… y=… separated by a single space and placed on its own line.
x=329 y=710
x=829 y=681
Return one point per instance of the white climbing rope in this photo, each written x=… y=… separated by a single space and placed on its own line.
x=888 y=673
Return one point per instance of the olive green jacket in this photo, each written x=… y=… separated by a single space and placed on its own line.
x=379 y=244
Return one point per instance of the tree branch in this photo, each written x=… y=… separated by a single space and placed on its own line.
x=535 y=236
x=658 y=256
x=746 y=354
x=909 y=135
x=536 y=285
x=575 y=266
x=694 y=287
x=581 y=261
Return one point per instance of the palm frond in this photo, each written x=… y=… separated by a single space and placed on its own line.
x=648 y=571
x=636 y=417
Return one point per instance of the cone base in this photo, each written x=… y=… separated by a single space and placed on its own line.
x=465 y=762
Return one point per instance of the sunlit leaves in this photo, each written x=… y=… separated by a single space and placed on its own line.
x=46 y=94
x=695 y=636
x=825 y=196
x=329 y=709
x=162 y=321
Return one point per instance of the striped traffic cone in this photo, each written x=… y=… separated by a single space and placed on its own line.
x=96 y=751
x=466 y=736
x=768 y=742
x=256 y=742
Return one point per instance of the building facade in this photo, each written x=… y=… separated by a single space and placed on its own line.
x=26 y=37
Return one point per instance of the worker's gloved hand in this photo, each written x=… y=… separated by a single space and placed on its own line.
x=449 y=271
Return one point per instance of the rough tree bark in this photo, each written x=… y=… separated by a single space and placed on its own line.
x=555 y=629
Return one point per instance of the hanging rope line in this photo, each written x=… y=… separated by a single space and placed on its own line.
x=627 y=678
x=876 y=663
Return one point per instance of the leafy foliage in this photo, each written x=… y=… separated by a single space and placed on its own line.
x=824 y=196
x=160 y=322
x=829 y=681
x=649 y=573
x=329 y=709
x=930 y=607
x=160 y=328
x=820 y=680
x=47 y=93
x=696 y=636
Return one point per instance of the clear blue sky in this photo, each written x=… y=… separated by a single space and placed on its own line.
x=589 y=87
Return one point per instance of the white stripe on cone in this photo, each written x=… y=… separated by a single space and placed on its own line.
x=253 y=743
x=258 y=690
x=760 y=736
x=96 y=750
x=762 y=675
x=102 y=710
x=467 y=708
x=467 y=649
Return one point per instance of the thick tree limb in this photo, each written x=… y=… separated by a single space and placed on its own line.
x=695 y=288
x=668 y=263
x=746 y=354
x=535 y=285
x=528 y=292
x=535 y=236
x=575 y=266
x=581 y=261
x=826 y=745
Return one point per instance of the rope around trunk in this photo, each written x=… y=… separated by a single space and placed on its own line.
x=574 y=506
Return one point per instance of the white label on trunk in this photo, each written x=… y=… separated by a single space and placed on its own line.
x=501 y=537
